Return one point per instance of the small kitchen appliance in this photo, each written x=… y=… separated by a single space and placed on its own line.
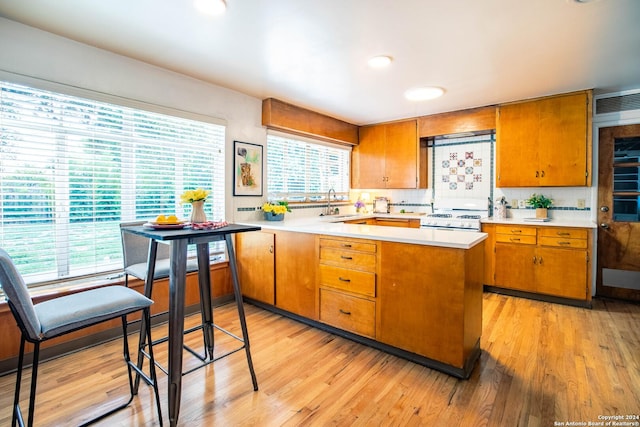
x=381 y=205
x=456 y=214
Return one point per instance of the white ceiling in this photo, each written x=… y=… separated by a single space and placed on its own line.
x=313 y=53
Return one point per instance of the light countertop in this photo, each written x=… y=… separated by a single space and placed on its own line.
x=417 y=236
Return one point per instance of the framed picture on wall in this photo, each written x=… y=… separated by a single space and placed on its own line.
x=247 y=169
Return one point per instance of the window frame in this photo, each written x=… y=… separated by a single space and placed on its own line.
x=125 y=214
x=310 y=197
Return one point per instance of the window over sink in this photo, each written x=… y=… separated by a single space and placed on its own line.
x=303 y=170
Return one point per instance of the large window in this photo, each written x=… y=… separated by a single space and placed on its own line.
x=72 y=169
x=300 y=170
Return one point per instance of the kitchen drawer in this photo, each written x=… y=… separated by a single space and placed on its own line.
x=348 y=259
x=565 y=233
x=348 y=312
x=562 y=242
x=514 y=238
x=516 y=230
x=360 y=282
x=349 y=245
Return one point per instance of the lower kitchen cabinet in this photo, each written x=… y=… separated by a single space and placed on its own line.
x=552 y=261
x=279 y=268
x=296 y=265
x=420 y=302
x=348 y=270
x=389 y=222
x=255 y=252
x=430 y=300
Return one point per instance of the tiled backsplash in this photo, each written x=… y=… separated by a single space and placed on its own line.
x=462 y=168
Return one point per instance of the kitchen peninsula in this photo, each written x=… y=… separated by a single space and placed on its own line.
x=413 y=292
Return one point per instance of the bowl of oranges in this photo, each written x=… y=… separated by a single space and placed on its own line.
x=166 y=222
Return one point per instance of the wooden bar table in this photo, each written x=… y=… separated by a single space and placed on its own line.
x=179 y=239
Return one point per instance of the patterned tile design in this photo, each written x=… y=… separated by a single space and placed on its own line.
x=462 y=170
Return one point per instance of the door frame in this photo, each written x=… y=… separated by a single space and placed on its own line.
x=621 y=118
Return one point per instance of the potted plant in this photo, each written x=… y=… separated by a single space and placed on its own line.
x=275 y=211
x=540 y=203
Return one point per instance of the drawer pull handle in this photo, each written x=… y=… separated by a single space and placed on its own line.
x=342 y=279
x=540 y=261
x=516 y=231
x=345 y=257
x=514 y=239
x=563 y=233
x=348 y=313
x=535 y=260
x=346 y=245
x=564 y=243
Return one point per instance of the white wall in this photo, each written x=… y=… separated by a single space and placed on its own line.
x=38 y=54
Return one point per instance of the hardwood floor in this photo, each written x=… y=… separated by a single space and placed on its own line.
x=541 y=363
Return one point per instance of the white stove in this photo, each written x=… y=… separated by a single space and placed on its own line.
x=456 y=214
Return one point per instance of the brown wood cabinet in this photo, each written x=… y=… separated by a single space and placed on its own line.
x=279 y=268
x=289 y=118
x=551 y=261
x=388 y=156
x=430 y=300
x=347 y=284
x=545 y=142
x=255 y=254
x=472 y=120
x=389 y=222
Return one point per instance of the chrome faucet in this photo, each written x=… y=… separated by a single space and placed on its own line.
x=329 y=210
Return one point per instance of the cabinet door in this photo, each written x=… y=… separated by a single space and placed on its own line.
x=563 y=140
x=544 y=143
x=401 y=154
x=296 y=263
x=489 y=254
x=517 y=145
x=367 y=158
x=514 y=266
x=420 y=300
x=256 y=263
x=562 y=272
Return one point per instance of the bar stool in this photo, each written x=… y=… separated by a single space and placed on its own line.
x=66 y=314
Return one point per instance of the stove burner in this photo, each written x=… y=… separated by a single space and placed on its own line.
x=469 y=217
x=439 y=215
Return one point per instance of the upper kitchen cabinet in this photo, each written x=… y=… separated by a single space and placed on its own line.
x=389 y=156
x=458 y=122
x=545 y=142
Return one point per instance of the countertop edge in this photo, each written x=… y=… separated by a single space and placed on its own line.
x=415 y=236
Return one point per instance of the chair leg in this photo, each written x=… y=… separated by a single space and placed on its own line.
x=16 y=416
x=34 y=379
x=152 y=363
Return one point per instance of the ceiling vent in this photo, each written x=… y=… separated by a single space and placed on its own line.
x=616 y=104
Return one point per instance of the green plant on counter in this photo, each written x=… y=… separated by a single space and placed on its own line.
x=539 y=201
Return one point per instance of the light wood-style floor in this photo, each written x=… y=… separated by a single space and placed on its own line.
x=541 y=363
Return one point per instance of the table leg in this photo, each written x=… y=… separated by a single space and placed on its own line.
x=148 y=286
x=177 y=282
x=238 y=295
x=204 y=283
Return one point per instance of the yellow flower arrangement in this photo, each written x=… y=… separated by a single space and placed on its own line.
x=191 y=196
x=277 y=208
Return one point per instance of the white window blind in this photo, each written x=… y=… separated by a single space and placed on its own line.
x=300 y=170
x=72 y=169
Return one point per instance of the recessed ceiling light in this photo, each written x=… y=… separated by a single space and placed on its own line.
x=211 y=7
x=379 y=61
x=423 y=93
